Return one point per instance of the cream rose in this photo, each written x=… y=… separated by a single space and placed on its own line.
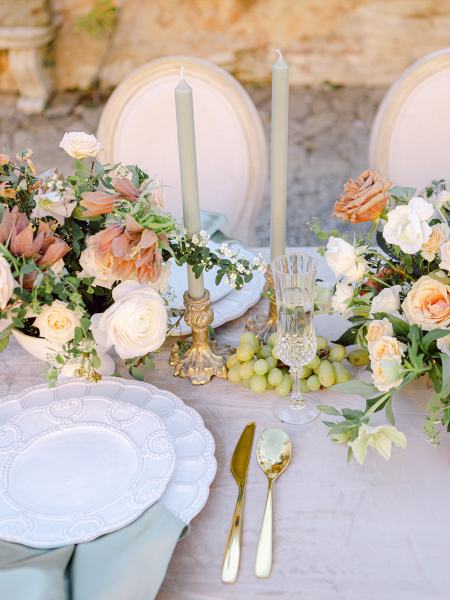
x=79 y=145
x=442 y=200
x=7 y=283
x=386 y=301
x=386 y=347
x=343 y=259
x=444 y=252
x=98 y=266
x=428 y=304
x=407 y=225
x=135 y=324
x=439 y=235
x=340 y=300
x=53 y=204
x=57 y=323
x=377 y=329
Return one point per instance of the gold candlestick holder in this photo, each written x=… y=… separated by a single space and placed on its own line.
x=204 y=358
x=264 y=324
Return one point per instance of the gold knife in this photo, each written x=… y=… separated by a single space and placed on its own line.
x=239 y=470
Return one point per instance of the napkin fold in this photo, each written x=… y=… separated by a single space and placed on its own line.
x=130 y=563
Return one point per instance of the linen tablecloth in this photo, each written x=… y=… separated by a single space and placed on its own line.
x=341 y=532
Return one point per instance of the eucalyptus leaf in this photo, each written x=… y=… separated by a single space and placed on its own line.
x=355 y=387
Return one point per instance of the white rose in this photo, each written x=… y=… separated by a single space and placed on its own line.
x=7 y=283
x=135 y=324
x=377 y=329
x=98 y=266
x=442 y=200
x=79 y=145
x=52 y=204
x=57 y=323
x=444 y=252
x=439 y=235
x=162 y=283
x=386 y=301
x=443 y=344
x=407 y=225
x=343 y=259
x=341 y=298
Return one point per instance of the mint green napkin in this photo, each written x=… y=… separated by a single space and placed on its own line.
x=127 y=564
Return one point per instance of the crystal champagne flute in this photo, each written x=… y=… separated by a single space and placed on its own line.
x=294 y=279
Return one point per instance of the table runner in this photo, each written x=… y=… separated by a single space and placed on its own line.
x=342 y=532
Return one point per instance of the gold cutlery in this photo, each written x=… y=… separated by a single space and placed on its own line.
x=274 y=452
x=239 y=470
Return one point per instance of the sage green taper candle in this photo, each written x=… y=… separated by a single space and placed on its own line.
x=188 y=172
x=279 y=156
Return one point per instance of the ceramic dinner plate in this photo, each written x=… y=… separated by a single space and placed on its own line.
x=236 y=303
x=78 y=467
x=178 y=283
x=195 y=466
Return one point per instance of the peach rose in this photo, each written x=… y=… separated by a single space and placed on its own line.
x=428 y=304
x=439 y=235
x=363 y=199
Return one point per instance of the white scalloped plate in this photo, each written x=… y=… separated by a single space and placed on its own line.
x=78 y=467
x=236 y=303
x=195 y=466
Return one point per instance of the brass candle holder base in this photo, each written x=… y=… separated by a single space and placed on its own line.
x=263 y=325
x=204 y=359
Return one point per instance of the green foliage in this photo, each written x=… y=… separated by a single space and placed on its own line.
x=100 y=20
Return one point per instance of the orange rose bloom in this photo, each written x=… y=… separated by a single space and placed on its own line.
x=363 y=199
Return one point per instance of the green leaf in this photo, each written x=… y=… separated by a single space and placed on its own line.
x=329 y=410
x=432 y=336
x=136 y=373
x=445 y=389
x=356 y=387
x=348 y=338
x=351 y=414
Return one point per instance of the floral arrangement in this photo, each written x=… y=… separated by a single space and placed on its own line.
x=84 y=260
x=394 y=288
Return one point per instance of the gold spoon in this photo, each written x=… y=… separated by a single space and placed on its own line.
x=274 y=454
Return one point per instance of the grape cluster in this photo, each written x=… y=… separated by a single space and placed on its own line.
x=256 y=366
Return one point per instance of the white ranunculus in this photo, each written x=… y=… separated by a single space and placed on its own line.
x=57 y=323
x=98 y=266
x=342 y=296
x=7 y=283
x=343 y=259
x=378 y=328
x=444 y=252
x=386 y=301
x=380 y=438
x=135 y=324
x=443 y=344
x=79 y=145
x=439 y=235
x=407 y=225
x=442 y=200
x=52 y=204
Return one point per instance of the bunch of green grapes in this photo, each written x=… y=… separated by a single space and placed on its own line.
x=256 y=366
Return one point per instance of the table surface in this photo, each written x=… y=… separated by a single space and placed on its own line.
x=341 y=532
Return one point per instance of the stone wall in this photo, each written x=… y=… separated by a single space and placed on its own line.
x=349 y=42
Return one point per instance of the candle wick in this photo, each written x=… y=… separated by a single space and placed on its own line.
x=278 y=51
x=182 y=72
